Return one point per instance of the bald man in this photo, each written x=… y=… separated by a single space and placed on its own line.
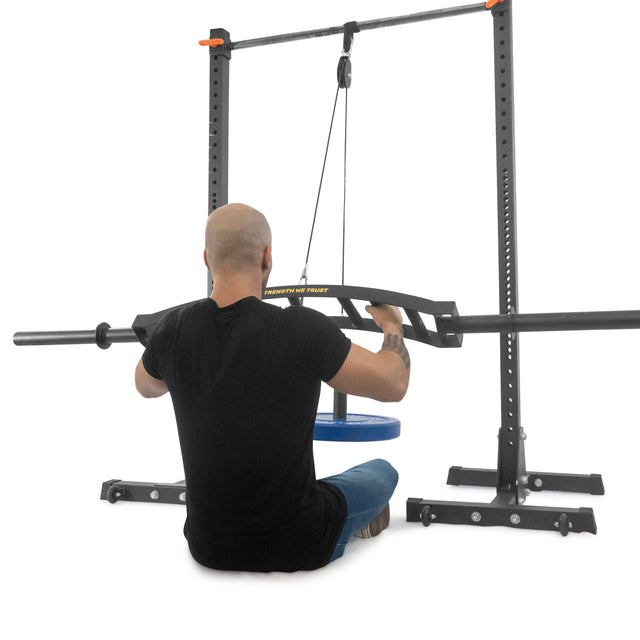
x=245 y=377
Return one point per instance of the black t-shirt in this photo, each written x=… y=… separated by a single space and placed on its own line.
x=245 y=383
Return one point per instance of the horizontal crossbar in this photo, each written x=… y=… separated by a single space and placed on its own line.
x=361 y=26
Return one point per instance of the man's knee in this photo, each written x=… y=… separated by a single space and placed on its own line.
x=386 y=470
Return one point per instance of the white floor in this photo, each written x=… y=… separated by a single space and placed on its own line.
x=103 y=124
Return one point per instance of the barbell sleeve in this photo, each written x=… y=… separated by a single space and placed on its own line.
x=103 y=336
x=521 y=322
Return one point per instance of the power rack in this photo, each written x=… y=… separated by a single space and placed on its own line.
x=511 y=479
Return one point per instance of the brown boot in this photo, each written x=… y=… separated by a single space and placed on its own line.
x=376 y=526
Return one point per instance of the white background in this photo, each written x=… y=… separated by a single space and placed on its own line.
x=104 y=123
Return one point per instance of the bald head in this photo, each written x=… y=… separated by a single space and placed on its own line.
x=236 y=239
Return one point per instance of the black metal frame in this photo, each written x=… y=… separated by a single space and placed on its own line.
x=511 y=479
x=218 y=128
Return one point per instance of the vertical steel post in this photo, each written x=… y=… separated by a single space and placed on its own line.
x=219 y=58
x=339 y=405
x=511 y=462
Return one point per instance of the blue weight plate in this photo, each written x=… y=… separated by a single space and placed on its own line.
x=356 y=428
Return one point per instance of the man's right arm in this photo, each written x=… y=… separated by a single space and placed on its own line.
x=147 y=385
x=382 y=376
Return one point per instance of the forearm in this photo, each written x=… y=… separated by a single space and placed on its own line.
x=398 y=355
x=382 y=376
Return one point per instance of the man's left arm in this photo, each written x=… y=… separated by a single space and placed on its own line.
x=147 y=385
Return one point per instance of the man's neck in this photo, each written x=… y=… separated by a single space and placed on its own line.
x=227 y=290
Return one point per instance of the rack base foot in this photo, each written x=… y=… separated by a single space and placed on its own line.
x=534 y=480
x=499 y=513
x=116 y=490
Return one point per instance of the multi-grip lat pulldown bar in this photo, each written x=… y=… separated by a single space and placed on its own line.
x=449 y=326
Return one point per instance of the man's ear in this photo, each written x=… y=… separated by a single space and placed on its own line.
x=206 y=261
x=267 y=259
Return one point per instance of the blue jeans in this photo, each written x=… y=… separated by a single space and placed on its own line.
x=367 y=488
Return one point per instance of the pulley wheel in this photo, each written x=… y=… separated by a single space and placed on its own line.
x=344 y=72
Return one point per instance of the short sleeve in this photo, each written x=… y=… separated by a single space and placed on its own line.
x=335 y=349
x=325 y=346
x=158 y=351
x=150 y=360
